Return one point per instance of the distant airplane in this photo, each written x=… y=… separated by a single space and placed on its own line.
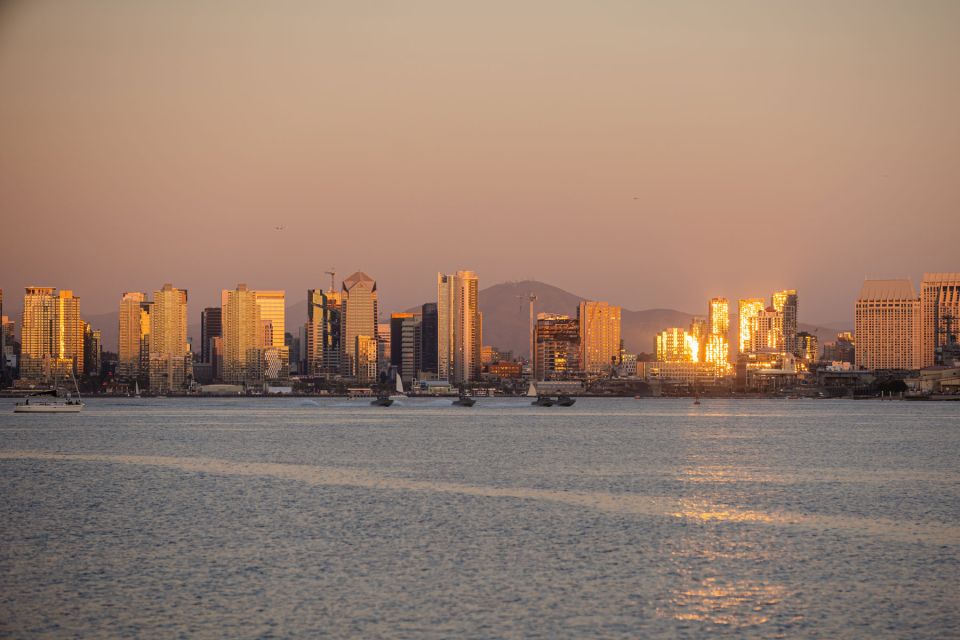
x=280 y=228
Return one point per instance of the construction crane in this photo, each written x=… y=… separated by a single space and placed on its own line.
x=331 y=273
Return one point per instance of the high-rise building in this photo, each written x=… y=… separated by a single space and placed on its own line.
x=134 y=335
x=557 y=347
x=51 y=335
x=396 y=338
x=808 y=347
x=211 y=326
x=459 y=332
x=748 y=308
x=888 y=325
x=365 y=354
x=719 y=316
x=428 y=338
x=322 y=332
x=717 y=349
x=384 y=341
x=358 y=317
x=696 y=339
x=785 y=304
x=672 y=345
x=274 y=360
x=939 y=316
x=599 y=337
x=766 y=335
x=92 y=350
x=241 y=335
x=169 y=365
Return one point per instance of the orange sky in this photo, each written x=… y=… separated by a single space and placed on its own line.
x=649 y=153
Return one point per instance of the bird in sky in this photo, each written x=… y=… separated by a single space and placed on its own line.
x=279 y=228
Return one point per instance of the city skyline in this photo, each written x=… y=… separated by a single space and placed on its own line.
x=595 y=132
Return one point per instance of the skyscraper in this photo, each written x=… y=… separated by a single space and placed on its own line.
x=358 y=317
x=556 y=347
x=274 y=356
x=133 y=346
x=748 y=308
x=241 y=330
x=92 y=350
x=888 y=325
x=211 y=326
x=717 y=349
x=3 y=341
x=428 y=338
x=939 y=315
x=169 y=365
x=322 y=332
x=599 y=336
x=52 y=335
x=458 y=327
x=785 y=304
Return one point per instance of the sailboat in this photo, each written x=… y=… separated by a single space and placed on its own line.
x=136 y=389
x=398 y=393
x=69 y=405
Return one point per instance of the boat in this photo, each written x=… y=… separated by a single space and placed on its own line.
x=565 y=401
x=399 y=393
x=464 y=400
x=68 y=405
x=136 y=393
x=543 y=401
x=382 y=401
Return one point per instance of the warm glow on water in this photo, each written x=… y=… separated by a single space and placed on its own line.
x=616 y=517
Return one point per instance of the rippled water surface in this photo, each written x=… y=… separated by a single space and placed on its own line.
x=613 y=518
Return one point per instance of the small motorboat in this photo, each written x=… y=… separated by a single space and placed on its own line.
x=543 y=401
x=464 y=401
x=565 y=401
x=382 y=401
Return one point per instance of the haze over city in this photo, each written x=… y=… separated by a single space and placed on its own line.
x=651 y=154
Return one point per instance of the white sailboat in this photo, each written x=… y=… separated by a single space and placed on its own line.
x=532 y=391
x=54 y=405
x=136 y=389
x=398 y=393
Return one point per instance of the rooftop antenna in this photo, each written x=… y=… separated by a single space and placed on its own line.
x=331 y=273
x=531 y=297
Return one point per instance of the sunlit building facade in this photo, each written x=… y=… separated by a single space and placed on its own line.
x=133 y=343
x=748 y=309
x=785 y=304
x=599 y=337
x=887 y=316
x=672 y=345
x=274 y=357
x=765 y=334
x=459 y=327
x=241 y=332
x=358 y=317
x=717 y=348
x=365 y=354
x=51 y=344
x=939 y=316
x=170 y=361
x=557 y=347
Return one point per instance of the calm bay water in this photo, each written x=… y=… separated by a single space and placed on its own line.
x=613 y=518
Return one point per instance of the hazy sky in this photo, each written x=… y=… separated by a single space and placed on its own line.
x=649 y=153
